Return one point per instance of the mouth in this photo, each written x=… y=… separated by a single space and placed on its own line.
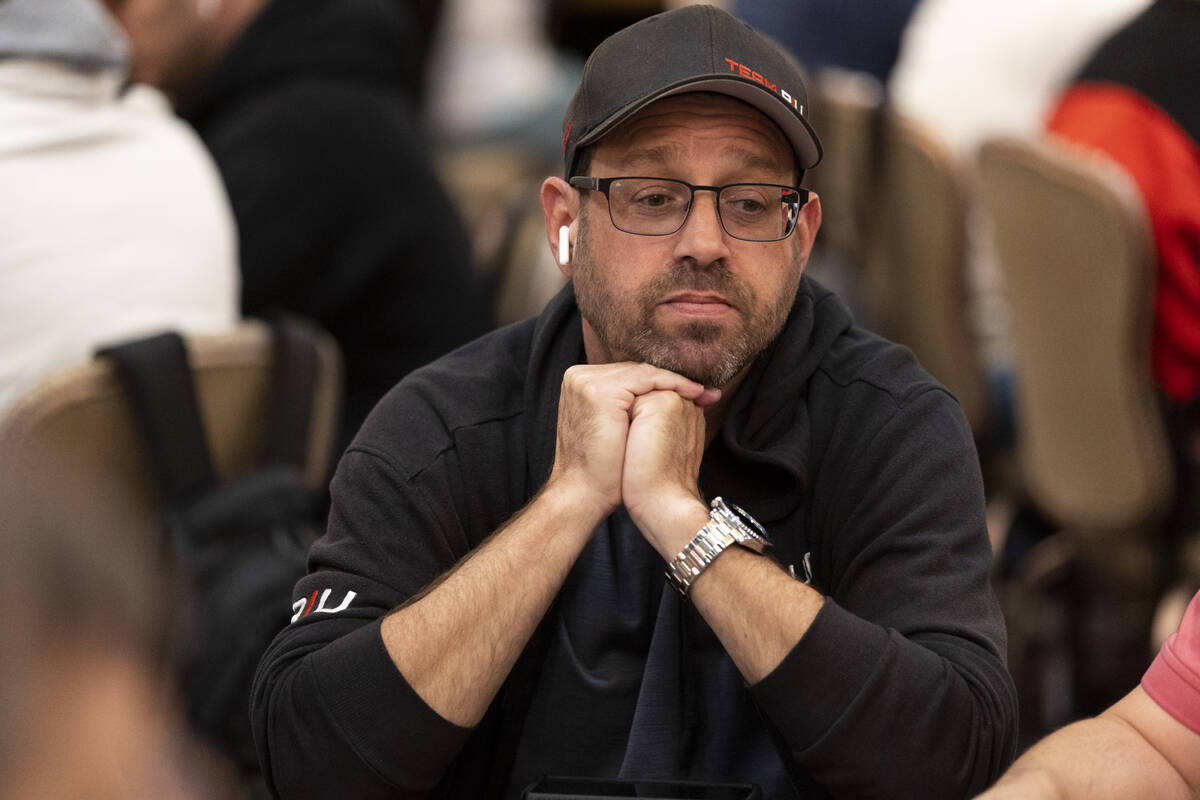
x=706 y=305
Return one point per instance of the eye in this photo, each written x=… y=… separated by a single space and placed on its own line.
x=657 y=197
x=649 y=199
x=749 y=205
x=745 y=201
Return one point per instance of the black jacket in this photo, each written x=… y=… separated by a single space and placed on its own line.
x=1154 y=54
x=311 y=119
x=836 y=441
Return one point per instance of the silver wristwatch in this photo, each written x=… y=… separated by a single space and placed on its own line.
x=727 y=525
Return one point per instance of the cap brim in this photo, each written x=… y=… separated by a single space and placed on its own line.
x=799 y=133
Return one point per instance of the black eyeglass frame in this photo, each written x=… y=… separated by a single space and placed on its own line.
x=602 y=185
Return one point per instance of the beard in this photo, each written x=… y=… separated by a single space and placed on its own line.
x=710 y=353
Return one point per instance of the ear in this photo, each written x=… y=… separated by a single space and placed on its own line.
x=808 y=224
x=560 y=207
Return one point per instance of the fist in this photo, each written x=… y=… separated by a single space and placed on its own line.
x=663 y=451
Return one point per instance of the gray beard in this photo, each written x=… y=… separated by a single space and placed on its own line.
x=653 y=346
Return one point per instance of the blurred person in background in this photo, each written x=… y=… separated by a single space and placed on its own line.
x=1145 y=745
x=1137 y=101
x=967 y=70
x=113 y=220
x=87 y=703
x=860 y=35
x=496 y=77
x=311 y=110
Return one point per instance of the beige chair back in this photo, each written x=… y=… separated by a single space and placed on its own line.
x=917 y=261
x=1079 y=266
x=845 y=111
x=70 y=450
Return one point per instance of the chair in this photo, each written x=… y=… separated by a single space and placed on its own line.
x=70 y=451
x=846 y=107
x=917 y=261
x=1079 y=268
x=495 y=188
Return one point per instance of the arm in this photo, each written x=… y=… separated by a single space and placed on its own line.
x=376 y=701
x=755 y=609
x=901 y=664
x=457 y=643
x=1134 y=749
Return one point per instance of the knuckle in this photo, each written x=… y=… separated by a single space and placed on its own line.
x=646 y=371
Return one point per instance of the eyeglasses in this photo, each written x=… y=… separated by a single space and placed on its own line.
x=755 y=212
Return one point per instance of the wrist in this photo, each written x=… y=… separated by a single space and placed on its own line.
x=669 y=521
x=727 y=525
x=575 y=501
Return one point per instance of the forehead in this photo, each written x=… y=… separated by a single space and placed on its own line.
x=675 y=127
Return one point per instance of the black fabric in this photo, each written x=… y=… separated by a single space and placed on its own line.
x=312 y=119
x=239 y=545
x=290 y=402
x=854 y=459
x=652 y=677
x=156 y=374
x=1155 y=55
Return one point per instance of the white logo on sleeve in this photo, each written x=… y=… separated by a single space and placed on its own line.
x=304 y=607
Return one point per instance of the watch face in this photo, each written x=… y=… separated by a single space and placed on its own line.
x=748 y=520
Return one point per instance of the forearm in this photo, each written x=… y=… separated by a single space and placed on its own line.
x=456 y=643
x=1090 y=760
x=757 y=610
x=1122 y=753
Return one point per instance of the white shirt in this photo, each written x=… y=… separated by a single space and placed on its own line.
x=970 y=68
x=113 y=222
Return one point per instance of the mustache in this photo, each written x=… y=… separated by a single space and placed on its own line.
x=691 y=276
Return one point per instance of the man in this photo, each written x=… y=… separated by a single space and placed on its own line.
x=310 y=110
x=489 y=605
x=1146 y=745
x=115 y=223
x=86 y=705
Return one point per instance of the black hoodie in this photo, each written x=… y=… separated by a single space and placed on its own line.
x=836 y=441
x=311 y=118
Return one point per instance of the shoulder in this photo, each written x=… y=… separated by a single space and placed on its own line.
x=869 y=395
x=855 y=358
x=353 y=145
x=476 y=388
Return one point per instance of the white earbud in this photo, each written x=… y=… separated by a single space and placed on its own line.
x=564 y=246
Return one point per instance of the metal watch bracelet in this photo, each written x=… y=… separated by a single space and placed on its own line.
x=726 y=526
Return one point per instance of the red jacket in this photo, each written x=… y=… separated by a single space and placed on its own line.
x=1137 y=101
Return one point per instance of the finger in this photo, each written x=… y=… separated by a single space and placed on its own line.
x=641 y=379
x=661 y=400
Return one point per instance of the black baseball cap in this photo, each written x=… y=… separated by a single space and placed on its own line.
x=696 y=48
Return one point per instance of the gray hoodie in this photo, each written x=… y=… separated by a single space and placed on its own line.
x=80 y=33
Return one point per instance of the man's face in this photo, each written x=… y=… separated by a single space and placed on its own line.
x=698 y=302
x=165 y=39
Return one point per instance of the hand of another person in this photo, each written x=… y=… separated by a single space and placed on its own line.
x=662 y=464
x=594 y=412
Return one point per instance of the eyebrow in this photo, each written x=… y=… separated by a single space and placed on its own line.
x=661 y=155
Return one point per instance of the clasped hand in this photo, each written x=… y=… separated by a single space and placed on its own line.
x=633 y=434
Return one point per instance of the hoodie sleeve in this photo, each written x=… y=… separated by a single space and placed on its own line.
x=332 y=716
x=899 y=688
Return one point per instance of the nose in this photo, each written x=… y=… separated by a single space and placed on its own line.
x=702 y=238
